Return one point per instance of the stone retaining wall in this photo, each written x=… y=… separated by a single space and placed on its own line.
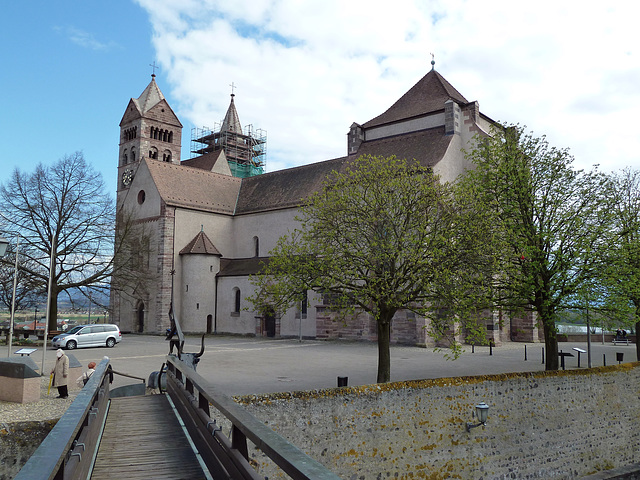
x=564 y=424
x=18 y=441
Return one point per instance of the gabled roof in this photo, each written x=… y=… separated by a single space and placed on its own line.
x=284 y=188
x=194 y=188
x=150 y=97
x=426 y=96
x=200 y=245
x=204 y=162
x=426 y=146
x=231 y=122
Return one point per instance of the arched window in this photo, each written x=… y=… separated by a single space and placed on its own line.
x=125 y=158
x=303 y=305
x=236 y=300
x=170 y=137
x=164 y=136
x=133 y=155
x=153 y=153
x=166 y=156
x=256 y=246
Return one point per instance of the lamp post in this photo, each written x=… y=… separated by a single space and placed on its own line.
x=3 y=249
x=52 y=270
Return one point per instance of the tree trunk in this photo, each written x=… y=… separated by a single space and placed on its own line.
x=384 y=354
x=551 y=344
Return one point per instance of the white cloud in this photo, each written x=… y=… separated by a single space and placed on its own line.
x=306 y=70
x=85 y=39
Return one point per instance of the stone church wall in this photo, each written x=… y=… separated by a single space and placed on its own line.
x=564 y=424
x=406 y=328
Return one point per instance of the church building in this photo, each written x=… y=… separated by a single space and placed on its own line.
x=207 y=222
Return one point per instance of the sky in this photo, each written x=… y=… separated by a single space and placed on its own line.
x=304 y=71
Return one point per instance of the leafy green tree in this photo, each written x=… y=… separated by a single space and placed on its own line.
x=377 y=237
x=621 y=267
x=550 y=220
x=64 y=208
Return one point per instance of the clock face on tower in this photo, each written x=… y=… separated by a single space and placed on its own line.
x=127 y=176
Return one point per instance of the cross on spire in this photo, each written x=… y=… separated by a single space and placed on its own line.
x=153 y=66
x=233 y=87
x=433 y=62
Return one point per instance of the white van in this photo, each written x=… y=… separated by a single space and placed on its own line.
x=88 y=336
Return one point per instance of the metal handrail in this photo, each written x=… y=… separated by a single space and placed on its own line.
x=67 y=452
x=288 y=457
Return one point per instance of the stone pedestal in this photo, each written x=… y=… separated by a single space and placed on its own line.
x=19 y=382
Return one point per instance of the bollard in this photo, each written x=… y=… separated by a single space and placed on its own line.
x=490 y=347
x=343 y=381
x=604 y=359
x=525 y=353
x=473 y=348
x=562 y=360
x=543 y=355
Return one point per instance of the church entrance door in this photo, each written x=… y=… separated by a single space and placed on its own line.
x=270 y=323
x=141 y=317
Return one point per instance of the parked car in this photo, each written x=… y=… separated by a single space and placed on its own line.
x=88 y=336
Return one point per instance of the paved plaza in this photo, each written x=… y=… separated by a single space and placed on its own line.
x=245 y=365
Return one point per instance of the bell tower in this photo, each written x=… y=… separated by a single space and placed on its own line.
x=149 y=129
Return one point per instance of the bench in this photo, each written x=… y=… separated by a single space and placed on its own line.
x=621 y=341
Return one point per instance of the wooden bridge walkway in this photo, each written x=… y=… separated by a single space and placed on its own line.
x=143 y=439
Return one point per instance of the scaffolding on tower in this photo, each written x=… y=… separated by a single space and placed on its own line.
x=246 y=151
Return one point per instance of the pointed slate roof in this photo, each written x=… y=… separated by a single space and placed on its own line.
x=426 y=96
x=200 y=245
x=150 y=97
x=231 y=122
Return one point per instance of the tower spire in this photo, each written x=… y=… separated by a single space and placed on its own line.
x=153 y=71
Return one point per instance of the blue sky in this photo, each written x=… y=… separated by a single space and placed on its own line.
x=68 y=70
x=306 y=70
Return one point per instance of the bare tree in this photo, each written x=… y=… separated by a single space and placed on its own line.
x=27 y=293
x=65 y=205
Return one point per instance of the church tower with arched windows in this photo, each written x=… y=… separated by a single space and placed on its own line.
x=149 y=129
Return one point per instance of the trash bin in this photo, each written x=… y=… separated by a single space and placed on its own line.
x=343 y=381
x=619 y=356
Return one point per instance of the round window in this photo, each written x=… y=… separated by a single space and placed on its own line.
x=141 y=197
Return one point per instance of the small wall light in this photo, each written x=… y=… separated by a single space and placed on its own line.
x=482 y=412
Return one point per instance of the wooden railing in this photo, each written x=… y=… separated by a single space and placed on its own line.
x=228 y=458
x=68 y=452
x=69 y=449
